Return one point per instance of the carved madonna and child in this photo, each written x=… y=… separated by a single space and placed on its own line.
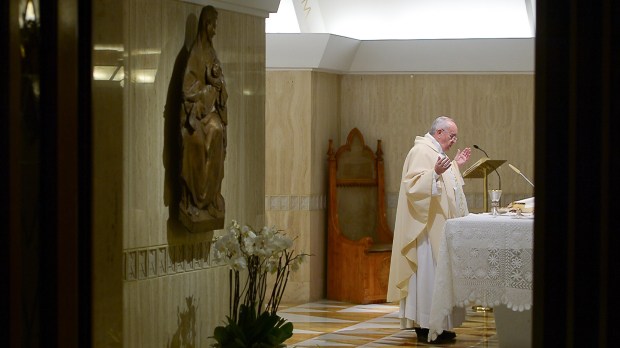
x=203 y=121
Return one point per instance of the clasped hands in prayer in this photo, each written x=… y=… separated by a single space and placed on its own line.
x=443 y=163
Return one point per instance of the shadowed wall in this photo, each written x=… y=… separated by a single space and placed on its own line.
x=156 y=284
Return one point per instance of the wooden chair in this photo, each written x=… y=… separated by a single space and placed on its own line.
x=359 y=241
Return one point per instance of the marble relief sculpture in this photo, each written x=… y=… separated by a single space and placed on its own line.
x=203 y=132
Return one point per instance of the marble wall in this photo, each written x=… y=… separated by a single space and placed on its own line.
x=494 y=111
x=301 y=114
x=155 y=283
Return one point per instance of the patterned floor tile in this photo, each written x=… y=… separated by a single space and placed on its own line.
x=340 y=324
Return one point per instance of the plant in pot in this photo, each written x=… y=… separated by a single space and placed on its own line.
x=252 y=256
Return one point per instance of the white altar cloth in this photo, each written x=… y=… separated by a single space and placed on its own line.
x=483 y=260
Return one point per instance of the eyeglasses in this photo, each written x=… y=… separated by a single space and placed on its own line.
x=451 y=135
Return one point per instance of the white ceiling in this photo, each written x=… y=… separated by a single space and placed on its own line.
x=406 y=19
x=395 y=36
x=402 y=36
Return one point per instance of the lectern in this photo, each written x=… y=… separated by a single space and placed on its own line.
x=481 y=169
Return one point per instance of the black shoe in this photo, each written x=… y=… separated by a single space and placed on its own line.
x=422 y=334
x=445 y=337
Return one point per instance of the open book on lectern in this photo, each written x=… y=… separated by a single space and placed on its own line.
x=482 y=168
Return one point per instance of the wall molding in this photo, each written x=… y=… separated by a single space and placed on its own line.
x=343 y=55
x=167 y=260
x=295 y=202
x=260 y=8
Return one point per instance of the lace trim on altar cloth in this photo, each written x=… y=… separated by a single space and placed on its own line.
x=487 y=267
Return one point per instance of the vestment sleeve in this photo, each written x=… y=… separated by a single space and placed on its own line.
x=418 y=182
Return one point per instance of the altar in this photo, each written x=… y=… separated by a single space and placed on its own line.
x=487 y=260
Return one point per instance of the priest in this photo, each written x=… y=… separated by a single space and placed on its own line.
x=431 y=192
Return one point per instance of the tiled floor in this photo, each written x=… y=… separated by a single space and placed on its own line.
x=339 y=324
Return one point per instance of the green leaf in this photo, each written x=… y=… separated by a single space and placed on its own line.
x=266 y=330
